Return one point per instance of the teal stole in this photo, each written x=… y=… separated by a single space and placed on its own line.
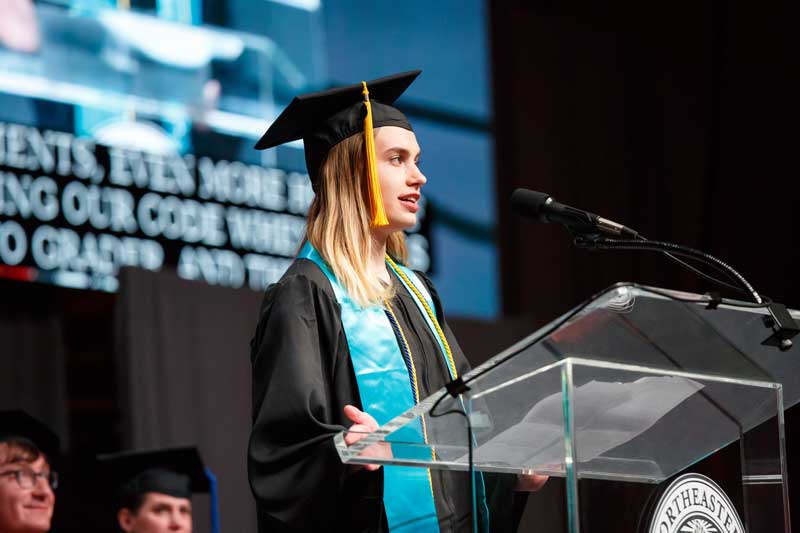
x=386 y=391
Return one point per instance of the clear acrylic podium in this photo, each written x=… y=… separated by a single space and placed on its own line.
x=636 y=385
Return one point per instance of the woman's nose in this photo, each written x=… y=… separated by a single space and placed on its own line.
x=417 y=177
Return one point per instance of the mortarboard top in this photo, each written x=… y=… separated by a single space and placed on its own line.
x=16 y=423
x=175 y=472
x=324 y=119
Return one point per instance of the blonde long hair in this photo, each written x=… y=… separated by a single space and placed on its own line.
x=338 y=223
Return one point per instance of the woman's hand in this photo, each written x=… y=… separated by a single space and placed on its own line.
x=363 y=423
x=530 y=482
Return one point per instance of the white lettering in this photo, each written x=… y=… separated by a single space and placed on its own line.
x=300 y=193
x=40 y=155
x=179 y=219
x=44 y=247
x=13 y=243
x=214 y=266
x=25 y=196
x=44 y=201
x=263 y=270
x=15 y=146
x=63 y=249
x=146 y=214
x=61 y=142
x=259 y=231
x=27 y=148
x=173 y=174
x=169 y=217
x=237 y=183
x=102 y=207
x=85 y=163
x=75 y=203
x=120 y=205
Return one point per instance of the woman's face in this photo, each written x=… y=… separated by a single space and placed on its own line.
x=397 y=154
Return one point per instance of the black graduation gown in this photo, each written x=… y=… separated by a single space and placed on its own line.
x=302 y=379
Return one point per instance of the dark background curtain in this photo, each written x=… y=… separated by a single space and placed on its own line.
x=677 y=120
x=33 y=367
x=678 y=123
x=183 y=370
x=55 y=363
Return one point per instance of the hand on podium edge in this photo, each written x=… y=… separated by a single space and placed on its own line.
x=363 y=423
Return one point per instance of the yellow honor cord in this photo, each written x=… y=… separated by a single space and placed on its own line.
x=430 y=314
x=375 y=199
x=414 y=384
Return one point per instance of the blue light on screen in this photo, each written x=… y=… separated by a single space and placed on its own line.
x=460 y=187
x=94 y=74
x=449 y=107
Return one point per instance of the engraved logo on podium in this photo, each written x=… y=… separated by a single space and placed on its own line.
x=695 y=504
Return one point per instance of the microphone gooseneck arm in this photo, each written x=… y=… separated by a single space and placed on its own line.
x=595 y=241
x=779 y=320
x=587 y=229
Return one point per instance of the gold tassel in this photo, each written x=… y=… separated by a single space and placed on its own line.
x=375 y=199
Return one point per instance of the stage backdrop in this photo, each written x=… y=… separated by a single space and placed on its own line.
x=680 y=123
x=184 y=378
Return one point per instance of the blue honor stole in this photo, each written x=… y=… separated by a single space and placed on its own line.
x=386 y=391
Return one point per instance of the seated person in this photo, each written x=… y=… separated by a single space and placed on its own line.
x=27 y=484
x=153 y=489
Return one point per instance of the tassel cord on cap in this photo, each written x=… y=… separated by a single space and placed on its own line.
x=375 y=199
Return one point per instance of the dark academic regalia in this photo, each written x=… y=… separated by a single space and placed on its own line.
x=17 y=424
x=303 y=374
x=302 y=379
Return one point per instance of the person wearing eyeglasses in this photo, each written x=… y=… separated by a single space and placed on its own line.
x=27 y=482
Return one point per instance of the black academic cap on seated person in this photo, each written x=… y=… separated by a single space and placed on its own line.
x=324 y=119
x=175 y=472
x=16 y=423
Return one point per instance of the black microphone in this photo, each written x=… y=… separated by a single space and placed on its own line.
x=544 y=208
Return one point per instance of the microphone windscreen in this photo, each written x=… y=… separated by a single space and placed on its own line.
x=528 y=203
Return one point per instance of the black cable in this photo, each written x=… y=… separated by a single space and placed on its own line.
x=766 y=301
x=597 y=241
x=471 y=464
x=705 y=276
x=566 y=318
x=700 y=272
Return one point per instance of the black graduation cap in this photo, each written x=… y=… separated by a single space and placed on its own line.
x=324 y=119
x=16 y=423
x=177 y=472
